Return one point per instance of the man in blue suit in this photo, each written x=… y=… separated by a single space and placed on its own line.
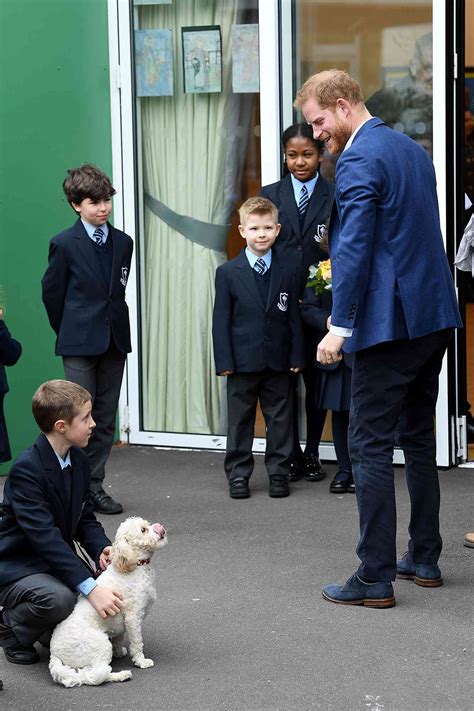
x=395 y=307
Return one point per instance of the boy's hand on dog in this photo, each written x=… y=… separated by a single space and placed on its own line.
x=105 y=601
x=105 y=556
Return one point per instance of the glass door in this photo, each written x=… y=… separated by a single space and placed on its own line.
x=187 y=116
x=398 y=53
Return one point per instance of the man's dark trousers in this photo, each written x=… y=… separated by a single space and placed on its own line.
x=394 y=393
x=102 y=376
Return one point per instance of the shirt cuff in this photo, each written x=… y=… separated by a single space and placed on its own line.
x=341 y=331
x=86 y=586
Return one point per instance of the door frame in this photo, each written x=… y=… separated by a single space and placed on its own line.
x=275 y=110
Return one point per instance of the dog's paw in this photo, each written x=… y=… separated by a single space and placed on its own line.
x=144 y=663
x=120 y=652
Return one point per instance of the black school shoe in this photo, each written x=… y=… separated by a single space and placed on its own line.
x=278 y=487
x=297 y=469
x=15 y=652
x=105 y=504
x=239 y=489
x=341 y=482
x=313 y=469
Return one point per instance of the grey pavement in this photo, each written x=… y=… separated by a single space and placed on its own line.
x=240 y=623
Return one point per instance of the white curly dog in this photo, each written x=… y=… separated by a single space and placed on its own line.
x=83 y=644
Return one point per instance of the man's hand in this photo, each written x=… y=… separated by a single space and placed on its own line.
x=296 y=370
x=105 y=601
x=226 y=372
x=1 y=314
x=329 y=349
x=105 y=556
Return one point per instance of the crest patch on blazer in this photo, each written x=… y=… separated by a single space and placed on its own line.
x=124 y=277
x=320 y=229
x=283 y=302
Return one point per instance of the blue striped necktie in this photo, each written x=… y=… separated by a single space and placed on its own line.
x=98 y=236
x=303 y=201
x=260 y=266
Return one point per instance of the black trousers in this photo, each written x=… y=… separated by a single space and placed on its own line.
x=102 y=376
x=315 y=418
x=274 y=391
x=394 y=393
x=34 y=605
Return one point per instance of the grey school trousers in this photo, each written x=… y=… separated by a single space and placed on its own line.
x=34 y=605
x=102 y=377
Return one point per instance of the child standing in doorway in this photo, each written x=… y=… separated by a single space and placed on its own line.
x=304 y=201
x=258 y=344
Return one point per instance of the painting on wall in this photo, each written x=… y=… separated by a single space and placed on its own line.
x=154 y=62
x=202 y=59
x=245 y=59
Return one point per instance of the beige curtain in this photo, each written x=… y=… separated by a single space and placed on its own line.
x=192 y=147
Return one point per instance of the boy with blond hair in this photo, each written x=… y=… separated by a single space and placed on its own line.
x=45 y=511
x=258 y=343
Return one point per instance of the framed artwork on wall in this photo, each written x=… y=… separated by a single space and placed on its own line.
x=202 y=59
x=154 y=62
x=245 y=60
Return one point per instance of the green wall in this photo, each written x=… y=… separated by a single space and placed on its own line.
x=54 y=115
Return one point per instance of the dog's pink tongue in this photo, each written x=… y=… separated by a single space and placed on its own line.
x=159 y=529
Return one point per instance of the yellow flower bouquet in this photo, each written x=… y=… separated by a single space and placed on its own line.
x=320 y=277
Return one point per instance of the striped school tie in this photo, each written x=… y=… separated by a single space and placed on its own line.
x=98 y=236
x=260 y=266
x=303 y=201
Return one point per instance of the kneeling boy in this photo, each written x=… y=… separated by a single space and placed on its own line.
x=46 y=508
x=258 y=343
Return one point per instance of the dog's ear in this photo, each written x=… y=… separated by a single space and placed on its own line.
x=123 y=557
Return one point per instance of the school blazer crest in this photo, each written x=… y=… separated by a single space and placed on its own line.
x=83 y=309
x=248 y=334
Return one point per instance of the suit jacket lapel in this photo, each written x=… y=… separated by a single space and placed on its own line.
x=116 y=272
x=288 y=204
x=52 y=468
x=87 y=249
x=246 y=276
x=76 y=493
x=318 y=198
x=276 y=274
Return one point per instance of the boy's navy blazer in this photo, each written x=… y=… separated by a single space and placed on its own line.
x=37 y=530
x=249 y=335
x=83 y=310
x=390 y=274
x=298 y=245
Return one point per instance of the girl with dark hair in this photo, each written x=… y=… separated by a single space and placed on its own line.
x=304 y=201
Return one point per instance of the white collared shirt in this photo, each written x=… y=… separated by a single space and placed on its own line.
x=90 y=229
x=252 y=258
x=298 y=186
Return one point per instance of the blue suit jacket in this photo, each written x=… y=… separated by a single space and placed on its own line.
x=390 y=273
x=298 y=245
x=37 y=530
x=249 y=335
x=83 y=310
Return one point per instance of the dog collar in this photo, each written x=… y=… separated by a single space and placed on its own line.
x=145 y=561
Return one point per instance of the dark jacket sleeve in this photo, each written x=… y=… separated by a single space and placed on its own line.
x=10 y=349
x=313 y=313
x=33 y=515
x=222 y=324
x=297 y=353
x=54 y=284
